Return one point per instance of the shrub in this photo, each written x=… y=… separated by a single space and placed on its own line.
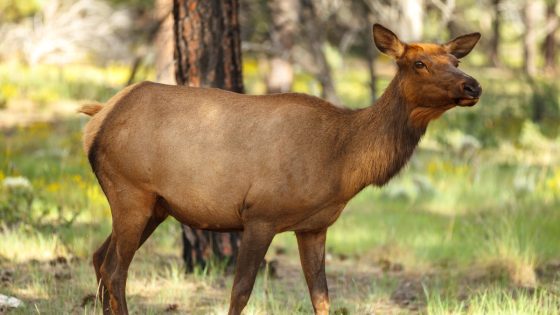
x=17 y=198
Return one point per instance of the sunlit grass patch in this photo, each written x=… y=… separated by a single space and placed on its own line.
x=152 y=287
x=510 y=248
x=497 y=301
x=21 y=244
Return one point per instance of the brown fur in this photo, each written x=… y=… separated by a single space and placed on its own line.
x=261 y=164
x=421 y=116
x=90 y=109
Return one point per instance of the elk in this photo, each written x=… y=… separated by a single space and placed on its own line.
x=262 y=165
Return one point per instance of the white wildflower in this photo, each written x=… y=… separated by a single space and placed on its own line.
x=18 y=182
x=10 y=302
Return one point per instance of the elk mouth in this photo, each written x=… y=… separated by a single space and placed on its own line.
x=466 y=101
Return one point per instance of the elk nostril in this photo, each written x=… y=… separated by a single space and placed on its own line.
x=471 y=90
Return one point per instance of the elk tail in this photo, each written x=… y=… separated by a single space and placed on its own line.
x=90 y=109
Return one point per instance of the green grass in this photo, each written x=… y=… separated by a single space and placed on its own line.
x=497 y=301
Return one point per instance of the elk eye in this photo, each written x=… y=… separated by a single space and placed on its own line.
x=419 y=65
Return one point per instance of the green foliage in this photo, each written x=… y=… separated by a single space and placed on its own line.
x=545 y=101
x=16 y=10
x=16 y=197
x=45 y=180
x=45 y=84
x=506 y=105
x=137 y=4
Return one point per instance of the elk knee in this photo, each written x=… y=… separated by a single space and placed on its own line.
x=105 y=275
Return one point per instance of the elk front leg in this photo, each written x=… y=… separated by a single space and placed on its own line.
x=312 y=255
x=254 y=244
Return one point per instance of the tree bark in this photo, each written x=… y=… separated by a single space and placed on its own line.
x=208 y=44
x=371 y=56
x=208 y=54
x=410 y=19
x=361 y=10
x=315 y=38
x=495 y=39
x=530 y=13
x=402 y=15
x=164 y=42
x=284 y=16
x=550 y=39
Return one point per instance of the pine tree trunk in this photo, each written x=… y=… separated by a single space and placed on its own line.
x=164 y=42
x=550 y=39
x=284 y=16
x=362 y=11
x=410 y=20
x=530 y=13
x=495 y=39
x=315 y=37
x=371 y=56
x=208 y=54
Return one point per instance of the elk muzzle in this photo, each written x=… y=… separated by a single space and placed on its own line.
x=471 y=91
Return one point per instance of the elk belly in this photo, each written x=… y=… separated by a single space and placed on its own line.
x=204 y=214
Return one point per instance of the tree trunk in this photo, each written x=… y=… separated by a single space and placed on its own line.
x=315 y=38
x=495 y=39
x=284 y=15
x=403 y=15
x=371 y=56
x=208 y=54
x=453 y=29
x=164 y=42
x=447 y=10
x=550 y=39
x=410 y=19
x=530 y=14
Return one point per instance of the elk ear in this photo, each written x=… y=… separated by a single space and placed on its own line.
x=462 y=45
x=387 y=42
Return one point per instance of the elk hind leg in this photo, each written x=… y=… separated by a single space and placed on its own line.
x=133 y=221
x=98 y=258
x=160 y=214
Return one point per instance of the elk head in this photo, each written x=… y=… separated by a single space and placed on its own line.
x=428 y=74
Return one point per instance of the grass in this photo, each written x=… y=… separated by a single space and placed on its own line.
x=498 y=301
x=471 y=226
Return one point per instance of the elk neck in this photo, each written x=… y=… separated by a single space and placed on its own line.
x=381 y=140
